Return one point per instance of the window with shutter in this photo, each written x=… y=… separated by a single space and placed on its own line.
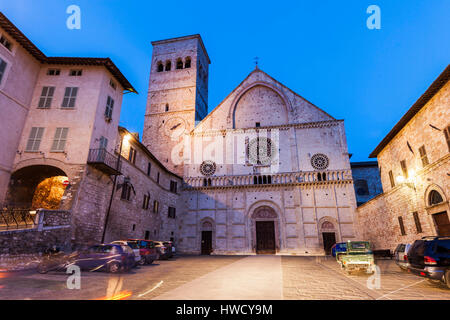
x=109 y=108
x=34 y=139
x=402 y=226
x=3 y=65
x=46 y=97
x=391 y=179
x=446 y=133
x=70 y=97
x=404 y=168
x=423 y=156
x=59 y=141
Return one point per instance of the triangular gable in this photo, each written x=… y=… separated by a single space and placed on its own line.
x=301 y=110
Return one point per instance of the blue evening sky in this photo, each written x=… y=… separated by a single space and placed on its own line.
x=320 y=49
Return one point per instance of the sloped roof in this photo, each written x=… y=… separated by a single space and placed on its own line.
x=17 y=35
x=417 y=106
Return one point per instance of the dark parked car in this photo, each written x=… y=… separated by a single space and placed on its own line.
x=163 y=251
x=430 y=258
x=110 y=257
x=147 y=249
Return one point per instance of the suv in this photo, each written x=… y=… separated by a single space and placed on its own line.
x=147 y=250
x=430 y=258
x=132 y=245
x=401 y=256
x=357 y=257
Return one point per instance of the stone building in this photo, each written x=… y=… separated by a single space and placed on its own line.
x=60 y=121
x=265 y=171
x=414 y=161
x=367 y=181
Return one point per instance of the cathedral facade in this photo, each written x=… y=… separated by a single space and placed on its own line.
x=265 y=172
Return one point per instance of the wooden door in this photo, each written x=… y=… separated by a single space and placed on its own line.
x=265 y=237
x=206 y=242
x=442 y=223
x=329 y=239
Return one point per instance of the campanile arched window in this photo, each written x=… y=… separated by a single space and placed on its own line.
x=168 y=65
x=160 y=67
x=187 y=63
x=179 y=63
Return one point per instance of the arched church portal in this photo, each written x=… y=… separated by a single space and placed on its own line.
x=329 y=235
x=265 y=230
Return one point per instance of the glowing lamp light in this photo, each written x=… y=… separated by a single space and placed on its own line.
x=33 y=212
x=400 y=179
x=127 y=137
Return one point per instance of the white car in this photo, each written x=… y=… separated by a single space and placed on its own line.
x=401 y=255
x=136 y=250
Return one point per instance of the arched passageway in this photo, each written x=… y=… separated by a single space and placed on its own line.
x=39 y=186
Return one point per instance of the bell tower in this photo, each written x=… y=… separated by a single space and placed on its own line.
x=177 y=97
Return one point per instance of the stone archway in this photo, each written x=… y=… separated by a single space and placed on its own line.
x=37 y=186
x=265 y=230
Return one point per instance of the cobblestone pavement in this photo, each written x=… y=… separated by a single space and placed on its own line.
x=228 y=277
x=321 y=278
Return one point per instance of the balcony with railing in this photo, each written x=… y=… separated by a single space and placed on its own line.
x=289 y=178
x=104 y=161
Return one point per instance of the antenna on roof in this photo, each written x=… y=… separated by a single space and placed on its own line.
x=256 y=62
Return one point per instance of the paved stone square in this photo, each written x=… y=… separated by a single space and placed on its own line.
x=228 y=277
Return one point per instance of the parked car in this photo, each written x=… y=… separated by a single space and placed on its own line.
x=401 y=256
x=338 y=248
x=110 y=257
x=147 y=250
x=163 y=251
x=430 y=258
x=358 y=257
x=134 y=246
x=170 y=247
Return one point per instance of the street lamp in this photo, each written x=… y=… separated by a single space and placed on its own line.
x=407 y=181
x=126 y=138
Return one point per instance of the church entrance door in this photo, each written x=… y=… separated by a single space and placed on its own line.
x=265 y=237
x=206 y=242
x=329 y=239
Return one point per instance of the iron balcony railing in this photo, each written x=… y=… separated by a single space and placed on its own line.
x=104 y=161
x=13 y=219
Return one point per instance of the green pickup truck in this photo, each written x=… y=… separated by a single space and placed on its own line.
x=358 y=257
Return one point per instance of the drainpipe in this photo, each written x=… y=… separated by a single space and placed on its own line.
x=112 y=192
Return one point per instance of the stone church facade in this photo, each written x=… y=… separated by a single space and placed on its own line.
x=265 y=172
